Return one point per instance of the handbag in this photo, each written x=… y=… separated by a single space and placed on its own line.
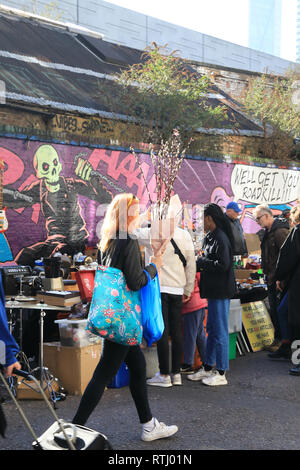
x=153 y=323
x=115 y=311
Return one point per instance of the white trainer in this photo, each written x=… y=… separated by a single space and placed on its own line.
x=159 y=431
x=160 y=380
x=200 y=374
x=215 y=379
x=176 y=379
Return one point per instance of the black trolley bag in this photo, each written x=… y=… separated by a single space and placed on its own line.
x=61 y=435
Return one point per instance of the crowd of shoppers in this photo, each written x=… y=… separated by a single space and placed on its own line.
x=190 y=286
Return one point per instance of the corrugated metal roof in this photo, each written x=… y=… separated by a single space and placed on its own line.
x=45 y=65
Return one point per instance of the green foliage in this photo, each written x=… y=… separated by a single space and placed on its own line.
x=272 y=101
x=163 y=93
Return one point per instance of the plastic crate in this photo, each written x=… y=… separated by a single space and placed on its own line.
x=73 y=333
x=232 y=345
x=121 y=378
x=235 y=316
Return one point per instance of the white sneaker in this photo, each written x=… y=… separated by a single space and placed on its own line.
x=160 y=381
x=176 y=379
x=159 y=431
x=215 y=379
x=200 y=374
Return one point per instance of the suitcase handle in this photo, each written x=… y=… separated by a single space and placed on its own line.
x=21 y=373
x=65 y=427
x=27 y=375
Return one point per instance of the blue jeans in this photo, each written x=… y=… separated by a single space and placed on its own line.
x=193 y=335
x=282 y=312
x=217 y=345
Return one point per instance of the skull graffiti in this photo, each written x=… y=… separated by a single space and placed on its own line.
x=48 y=166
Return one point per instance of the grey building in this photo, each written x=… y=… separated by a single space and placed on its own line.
x=298 y=31
x=132 y=29
x=265 y=26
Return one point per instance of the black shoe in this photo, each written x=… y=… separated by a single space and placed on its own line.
x=295 y=370
x=186 y=369
x=283 y=352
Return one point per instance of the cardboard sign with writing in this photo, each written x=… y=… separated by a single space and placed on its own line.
x=258 y=325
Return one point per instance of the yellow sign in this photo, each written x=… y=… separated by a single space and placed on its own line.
x=258 y=325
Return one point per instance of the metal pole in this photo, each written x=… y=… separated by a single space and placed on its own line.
x=42 y=315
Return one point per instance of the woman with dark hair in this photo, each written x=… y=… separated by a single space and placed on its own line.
x=217 y=285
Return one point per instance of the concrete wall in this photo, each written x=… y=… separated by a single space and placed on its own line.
x=126 y=27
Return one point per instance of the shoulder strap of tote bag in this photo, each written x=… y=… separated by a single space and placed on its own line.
x=178 y=252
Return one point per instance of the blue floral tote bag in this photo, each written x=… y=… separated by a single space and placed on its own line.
x=115 y=311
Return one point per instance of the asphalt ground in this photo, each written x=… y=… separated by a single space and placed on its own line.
x=258 y=410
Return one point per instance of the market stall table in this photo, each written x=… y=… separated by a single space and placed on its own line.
x=31 y=304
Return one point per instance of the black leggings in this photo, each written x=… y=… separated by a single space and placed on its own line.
x=171 y=309
x=112 y=357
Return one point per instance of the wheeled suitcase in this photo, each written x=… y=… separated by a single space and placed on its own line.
x=61 y=435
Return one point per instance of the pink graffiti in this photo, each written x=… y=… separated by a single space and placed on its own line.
x=14 y=166
x=128 y=168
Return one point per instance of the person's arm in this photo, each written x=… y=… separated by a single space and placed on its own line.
x=280 y=236
x=133 y=271
x=220 y=263
x=190 y=268
x=9 y=344
x=289 y=256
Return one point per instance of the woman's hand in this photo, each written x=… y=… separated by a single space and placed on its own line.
x=157 y=260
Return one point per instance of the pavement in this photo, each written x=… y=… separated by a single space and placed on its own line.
x=259 y=409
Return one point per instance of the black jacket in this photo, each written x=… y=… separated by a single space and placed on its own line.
x=239 y=247
x=272 y=241
x=124 y=253
x=217 y=276
x=288 y=269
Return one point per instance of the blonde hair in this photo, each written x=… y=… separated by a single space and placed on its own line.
x=295 y=214
x=118 y=217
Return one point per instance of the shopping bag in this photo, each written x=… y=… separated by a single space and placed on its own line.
x=153 y=323
x=115 y=311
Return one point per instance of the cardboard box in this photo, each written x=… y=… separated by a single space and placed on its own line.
x=253 y=243
x=28 y=390
x=243 y=274
x=73 y=367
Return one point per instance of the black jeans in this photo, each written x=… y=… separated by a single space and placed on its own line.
x=112 y=358
x=171 y=310
x=273 y=301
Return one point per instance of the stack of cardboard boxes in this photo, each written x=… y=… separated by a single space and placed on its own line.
x=73 y=365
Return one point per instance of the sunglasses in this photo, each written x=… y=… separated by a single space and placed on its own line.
x=258 y=218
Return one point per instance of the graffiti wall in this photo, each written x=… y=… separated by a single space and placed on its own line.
x=56 y=195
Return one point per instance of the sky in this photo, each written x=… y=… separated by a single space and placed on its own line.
x=225 y=19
